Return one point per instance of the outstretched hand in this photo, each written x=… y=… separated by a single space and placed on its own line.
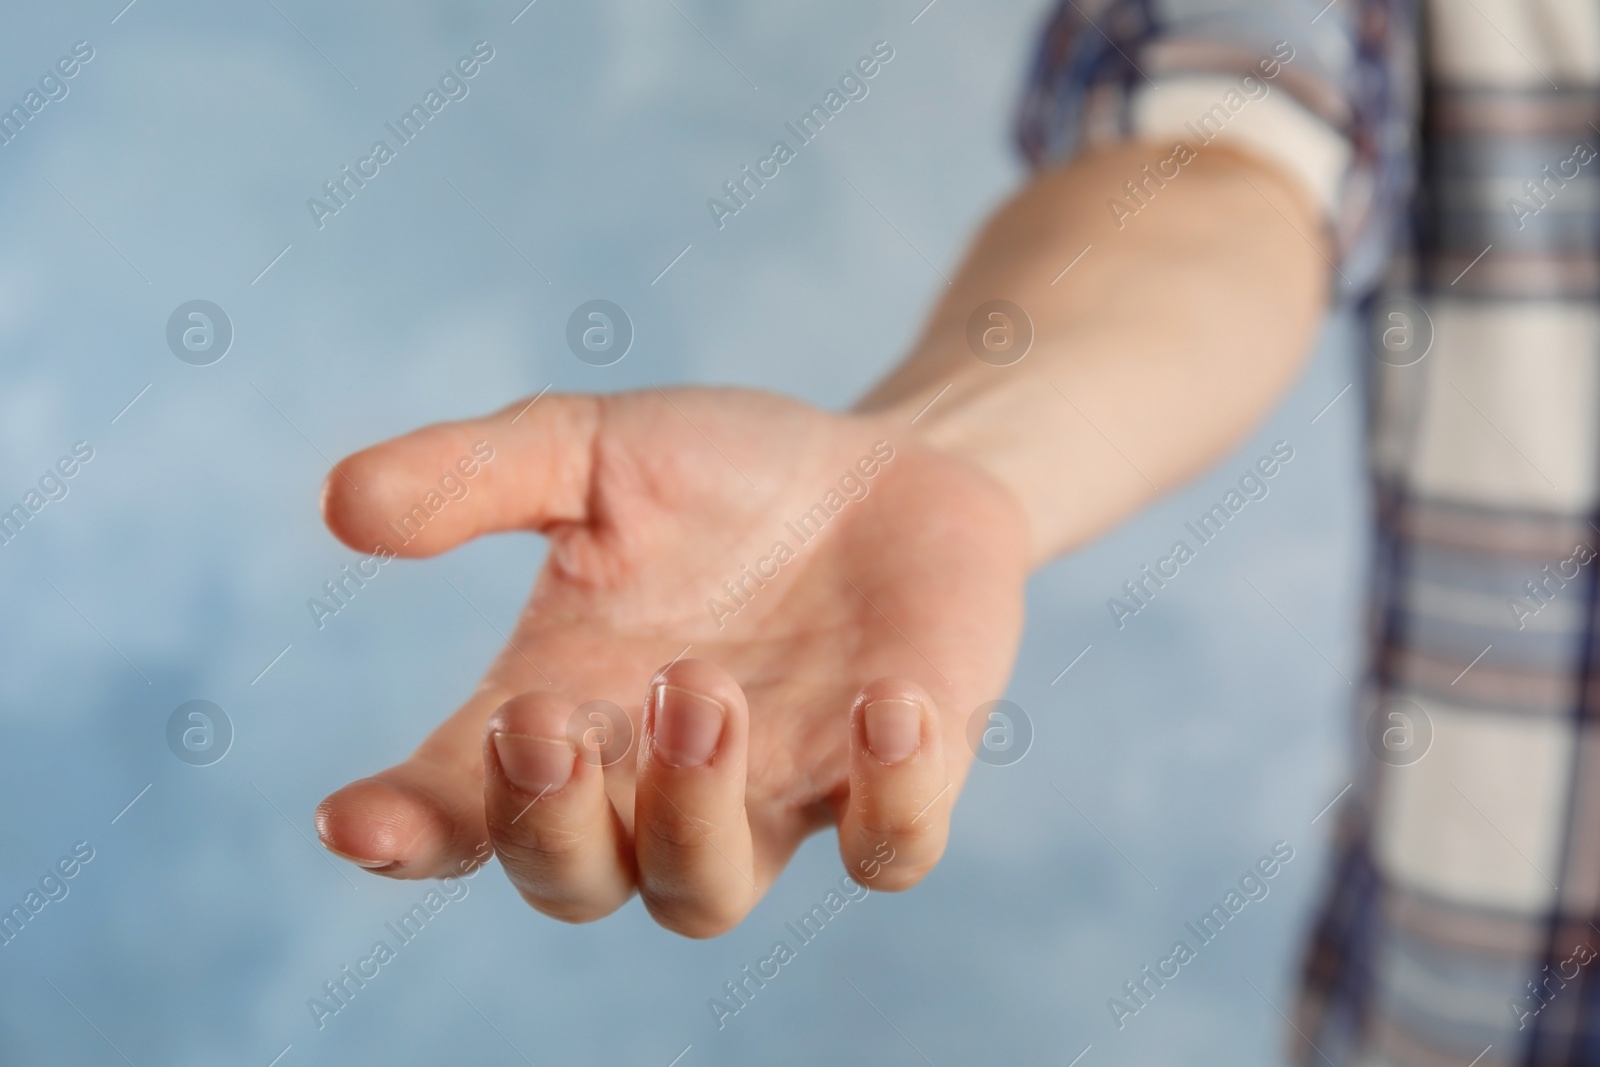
x=796 y=611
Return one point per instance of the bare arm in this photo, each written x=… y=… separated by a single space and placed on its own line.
x=1153 y=354
x=833 y=681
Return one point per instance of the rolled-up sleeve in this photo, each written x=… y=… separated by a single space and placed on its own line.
x=1328 y=92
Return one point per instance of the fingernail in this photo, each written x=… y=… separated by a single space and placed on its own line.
x=370 y=865
x=535 y=764
x=688 y=726
x=894 y=729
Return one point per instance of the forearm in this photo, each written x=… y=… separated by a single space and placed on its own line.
x=1159 y=348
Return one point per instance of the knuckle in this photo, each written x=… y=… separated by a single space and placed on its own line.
x=898 y=879
x=699 y=917
x=876 y=824
x=565 y=909
x=533 y=841
x=902 y=818
x=891 y=862
x=679 y=831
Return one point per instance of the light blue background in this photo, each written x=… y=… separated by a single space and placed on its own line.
x=1193 y=739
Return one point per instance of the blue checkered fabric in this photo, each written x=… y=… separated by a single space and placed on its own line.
x=1454 y=148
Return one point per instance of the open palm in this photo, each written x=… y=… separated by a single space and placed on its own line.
x=797 y=613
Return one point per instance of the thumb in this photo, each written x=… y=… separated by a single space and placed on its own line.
x=525 y=467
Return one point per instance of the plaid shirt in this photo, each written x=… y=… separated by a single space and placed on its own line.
x=1452 y=149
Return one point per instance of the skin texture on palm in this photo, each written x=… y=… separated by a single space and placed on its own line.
x=651 y=502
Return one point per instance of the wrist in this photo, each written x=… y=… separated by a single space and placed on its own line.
x=980 y=419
